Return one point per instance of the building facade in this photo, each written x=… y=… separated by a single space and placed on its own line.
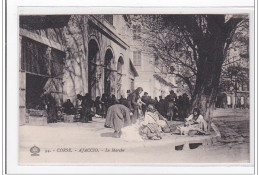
x=73 y=54
x=152 y=76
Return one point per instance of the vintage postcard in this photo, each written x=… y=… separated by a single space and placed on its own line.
x=134 y=88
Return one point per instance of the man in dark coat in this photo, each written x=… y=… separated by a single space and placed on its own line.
x=51 y=107
x=87 y=104
x=179 y=104
x=105 y=105
x=117 y=117
x=128 y=96
x=170 y=101
x=161 y=106
x=98 y=105
x=156 y=103
x=185 y=105
x=145 y=98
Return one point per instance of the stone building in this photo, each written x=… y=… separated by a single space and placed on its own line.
x=105 y=57
x=73 y=54
x=155 y=81
x=150 y=78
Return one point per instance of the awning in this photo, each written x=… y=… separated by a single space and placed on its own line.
x=44 y=21
x=132 y=67
x=163 y=81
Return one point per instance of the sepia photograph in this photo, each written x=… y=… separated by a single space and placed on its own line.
x=134 y=89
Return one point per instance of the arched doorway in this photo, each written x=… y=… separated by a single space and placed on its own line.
x=93 y=53
x=221 y=100
x=119 y=76
x=108 y=72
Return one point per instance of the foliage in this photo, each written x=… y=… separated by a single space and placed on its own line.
x=175 y=39
x=193 y=48
x=234 y=77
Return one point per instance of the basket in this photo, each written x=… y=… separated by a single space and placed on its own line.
x=68 y=118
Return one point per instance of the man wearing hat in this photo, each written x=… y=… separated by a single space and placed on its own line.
x=145 y=98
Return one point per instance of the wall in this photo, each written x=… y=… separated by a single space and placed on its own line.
x=74 y=40
x=74 y=79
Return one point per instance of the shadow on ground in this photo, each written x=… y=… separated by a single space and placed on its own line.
x=107 y=134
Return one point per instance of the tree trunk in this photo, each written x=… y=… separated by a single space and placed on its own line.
x=208 y=75
x=211 y=45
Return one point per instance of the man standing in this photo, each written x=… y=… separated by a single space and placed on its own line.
x=180 y=106
x=50 y=106
x=87 y=104
x=145 y=99
x=128 y=92
x=161 y=106
x=171 y=105
x=186 y=105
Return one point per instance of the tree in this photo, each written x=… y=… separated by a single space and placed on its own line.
x=235 y=74
x=235 y=68
x=193 y=48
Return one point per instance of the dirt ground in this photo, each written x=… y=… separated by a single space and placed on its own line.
x=83 y=143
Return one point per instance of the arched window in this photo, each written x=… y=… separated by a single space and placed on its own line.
x=92 y=67
x=108 y=72
x=119 y=76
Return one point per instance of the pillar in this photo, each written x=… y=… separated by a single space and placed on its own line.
x=22 y=88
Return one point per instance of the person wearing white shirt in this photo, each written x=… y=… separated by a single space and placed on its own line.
x=196 y=118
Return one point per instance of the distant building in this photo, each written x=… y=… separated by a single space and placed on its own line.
x=152 y=79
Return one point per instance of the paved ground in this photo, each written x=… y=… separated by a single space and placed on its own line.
x=233 y=125
x=92 y=143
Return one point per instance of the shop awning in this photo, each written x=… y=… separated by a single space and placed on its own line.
x=163 y=81
x=132 y=67
x=44 y=21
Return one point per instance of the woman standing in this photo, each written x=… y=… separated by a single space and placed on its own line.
x=133 y=103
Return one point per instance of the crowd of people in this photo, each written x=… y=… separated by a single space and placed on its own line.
x=152 y=124
x=153 y=114
x=173 y=107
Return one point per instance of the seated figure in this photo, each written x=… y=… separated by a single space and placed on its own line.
x=68 y=107
x=153 y=124
x=194 y=122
